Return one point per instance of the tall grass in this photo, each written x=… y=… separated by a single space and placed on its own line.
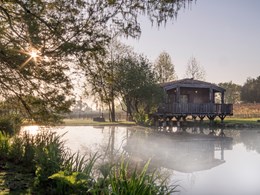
x=123 y=181
x=50 y=155
x=4 y=145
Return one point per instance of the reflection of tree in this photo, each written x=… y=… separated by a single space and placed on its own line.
x=108 y=149
x=235 y=134
x=251 y=139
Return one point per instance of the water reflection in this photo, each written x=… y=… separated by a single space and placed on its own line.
x=183 y=151
x=251 y=140
x=204 y=161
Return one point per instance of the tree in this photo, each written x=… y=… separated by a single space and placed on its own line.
x=233 y=91
x=101 y=75
x=164 y=68
x=250 y=91
x=195 y=70
x=136 y=84
x=40 y=41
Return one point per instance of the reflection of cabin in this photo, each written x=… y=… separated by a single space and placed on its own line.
x=183 y=153
x=192 y=97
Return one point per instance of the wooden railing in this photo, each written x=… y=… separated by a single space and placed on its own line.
x=190 y=108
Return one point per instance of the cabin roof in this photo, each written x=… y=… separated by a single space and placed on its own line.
x=191 y=83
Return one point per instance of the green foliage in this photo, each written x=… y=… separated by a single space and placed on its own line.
x=4 y=145
x=37 y=109
x=233 y=91
x=142 y=118
x=49 y=155
x=123 y=182
x=250 y=91
x=59 y=172
x=22 y=150
x=10 y=123
x=29 y=151
x=164 y=68
x=77 y=176
x=17 y=149
x=75 y=182
x=101 y=76
x=65 y=35
x=137 y=85
x=113 y=180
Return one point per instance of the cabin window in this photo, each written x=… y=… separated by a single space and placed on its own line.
x=184 y=99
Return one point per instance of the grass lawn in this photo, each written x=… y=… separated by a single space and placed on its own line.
x=241 y=121
x=89 y=122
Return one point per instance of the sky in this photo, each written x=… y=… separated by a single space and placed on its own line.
x=223 y=35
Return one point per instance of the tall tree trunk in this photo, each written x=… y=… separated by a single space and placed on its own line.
x=113 y=113
x=129 y=111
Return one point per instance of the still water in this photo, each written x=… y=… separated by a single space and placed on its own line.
x=201 y=163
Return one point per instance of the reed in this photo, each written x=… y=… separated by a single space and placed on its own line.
x=123 y=181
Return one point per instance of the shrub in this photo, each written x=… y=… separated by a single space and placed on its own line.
x=10 y=124
x=122 y=181
x=142 y=119
x=50 y=155
x=22 y=150
x=59 y=172
x=77 y=177
x=4 y=145
x=113 y=180
x=16 y=149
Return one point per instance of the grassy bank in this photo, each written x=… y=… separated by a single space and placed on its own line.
x=241 y=122
x=89 y=122
x=228 y=122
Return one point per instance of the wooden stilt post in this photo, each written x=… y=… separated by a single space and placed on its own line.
x=201 y=117
x=164 y=123
x=222 y=117
x=211 y=117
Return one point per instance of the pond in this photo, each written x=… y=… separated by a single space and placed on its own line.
x=201 y=161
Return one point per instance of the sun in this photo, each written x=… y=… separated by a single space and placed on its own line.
x=33 y=54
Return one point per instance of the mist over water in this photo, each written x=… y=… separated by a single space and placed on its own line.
x=198 y=160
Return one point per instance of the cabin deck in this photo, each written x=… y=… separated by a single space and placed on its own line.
x=178 y=110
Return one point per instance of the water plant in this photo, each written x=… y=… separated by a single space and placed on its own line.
x=123 y=181
x=77 y=177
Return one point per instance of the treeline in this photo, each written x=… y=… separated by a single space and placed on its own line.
x=45 y=45
x=249 y=92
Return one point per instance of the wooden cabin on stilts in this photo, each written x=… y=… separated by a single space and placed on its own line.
x=190 y=97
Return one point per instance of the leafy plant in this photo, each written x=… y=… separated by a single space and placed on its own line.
x=22 y=150
x=4 y=145
x=123 y=182
x=16 y=149
x=10 y=124
x=113 y=180
x=49 y=155
x=59 y=172
x=77 y=177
